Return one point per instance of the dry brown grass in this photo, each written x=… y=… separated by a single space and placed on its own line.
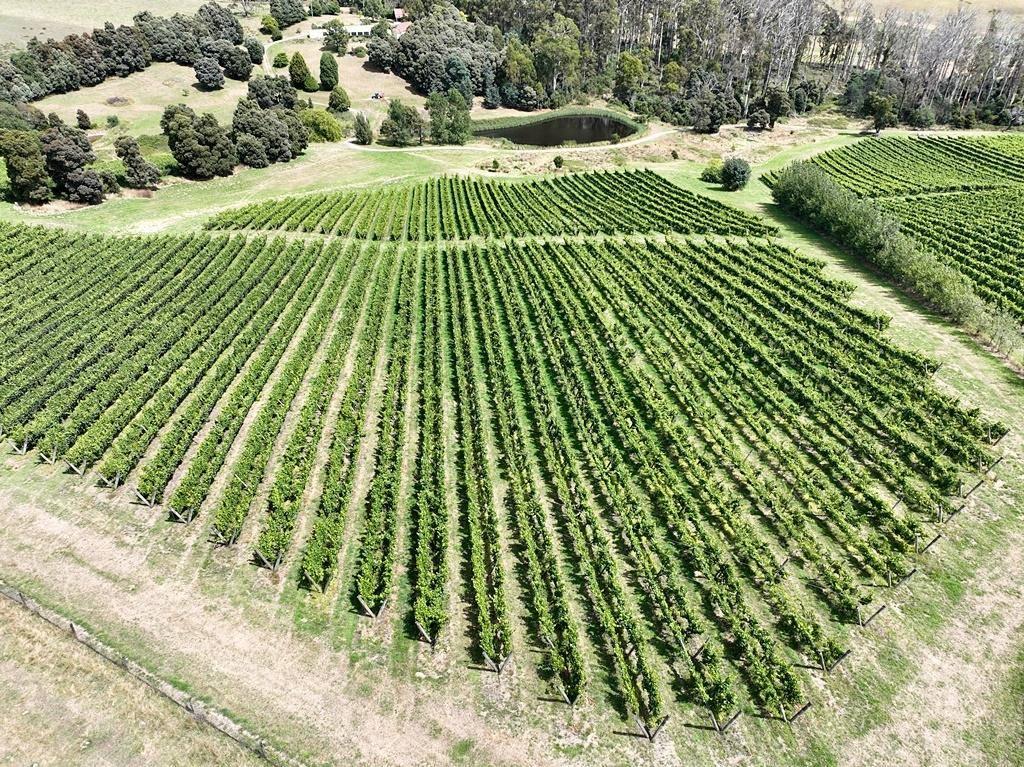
x=61 y=704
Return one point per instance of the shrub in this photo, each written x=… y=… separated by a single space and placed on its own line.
x=735 y=173
x=759 y=120
x=923 y=117
x=322 y=125
x=280 y=60
x=712 y=174
x=83 y=120
x=359 y=52
x=270 y=26
x=113 y=121
x=559 y=161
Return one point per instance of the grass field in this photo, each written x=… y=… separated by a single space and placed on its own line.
x=66 y=705
x=23 y=19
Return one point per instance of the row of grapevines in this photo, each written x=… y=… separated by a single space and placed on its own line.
x=257 y=350
x=248 y=470
x=627 y=645
x=292 y=474
x=194 y=487
x=319 y=557
x=52 y=386
x=487 y=577
x=556 y=627
x=231 y=343
x=380 y=519
x=460 y=208
x=113 y=399
x=430 y=504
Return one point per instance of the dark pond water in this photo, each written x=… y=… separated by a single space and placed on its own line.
x=560 y=130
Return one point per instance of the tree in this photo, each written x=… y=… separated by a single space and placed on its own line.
x=220 y=23
x=14 y=88
x=322 y=125
x=271 y=26
x=299 y=74
x=336 y=37
x=82 y=119
x=556 y=52
x=629 y=78
x=251 y=152
x=324 y=7
x=458 y=77
x=66 y=150
x=776 y=104
x=880 y=108
x=759 y=120
x=287 y=12
x=328 y=71
x=710 y=110
x=271 y=92
x=298 y=134
x=138 y=173
x=255 y=49
x=237 y=64
x=735 y=173
x=28 y=180
x=208 y=74
x=363 y=131
x=246 y=6
x=265 y=126
x=280 y=60
x=84 y=185
x=403 y=126
x=200 y=146
x=383 y=52
x=492 y=96
x=449 y=118
x=339 y=100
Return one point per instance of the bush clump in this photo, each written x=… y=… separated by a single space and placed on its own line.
x=735 y=173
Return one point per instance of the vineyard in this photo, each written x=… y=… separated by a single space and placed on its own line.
x=901 y=165
x=982 y=233
x=959 y=198
x=674 y=452
x=460 y=208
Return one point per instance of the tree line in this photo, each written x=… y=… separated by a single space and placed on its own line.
x=707 y=62
x=211 y=40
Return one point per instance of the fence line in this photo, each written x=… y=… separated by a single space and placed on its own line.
x=198 y=709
